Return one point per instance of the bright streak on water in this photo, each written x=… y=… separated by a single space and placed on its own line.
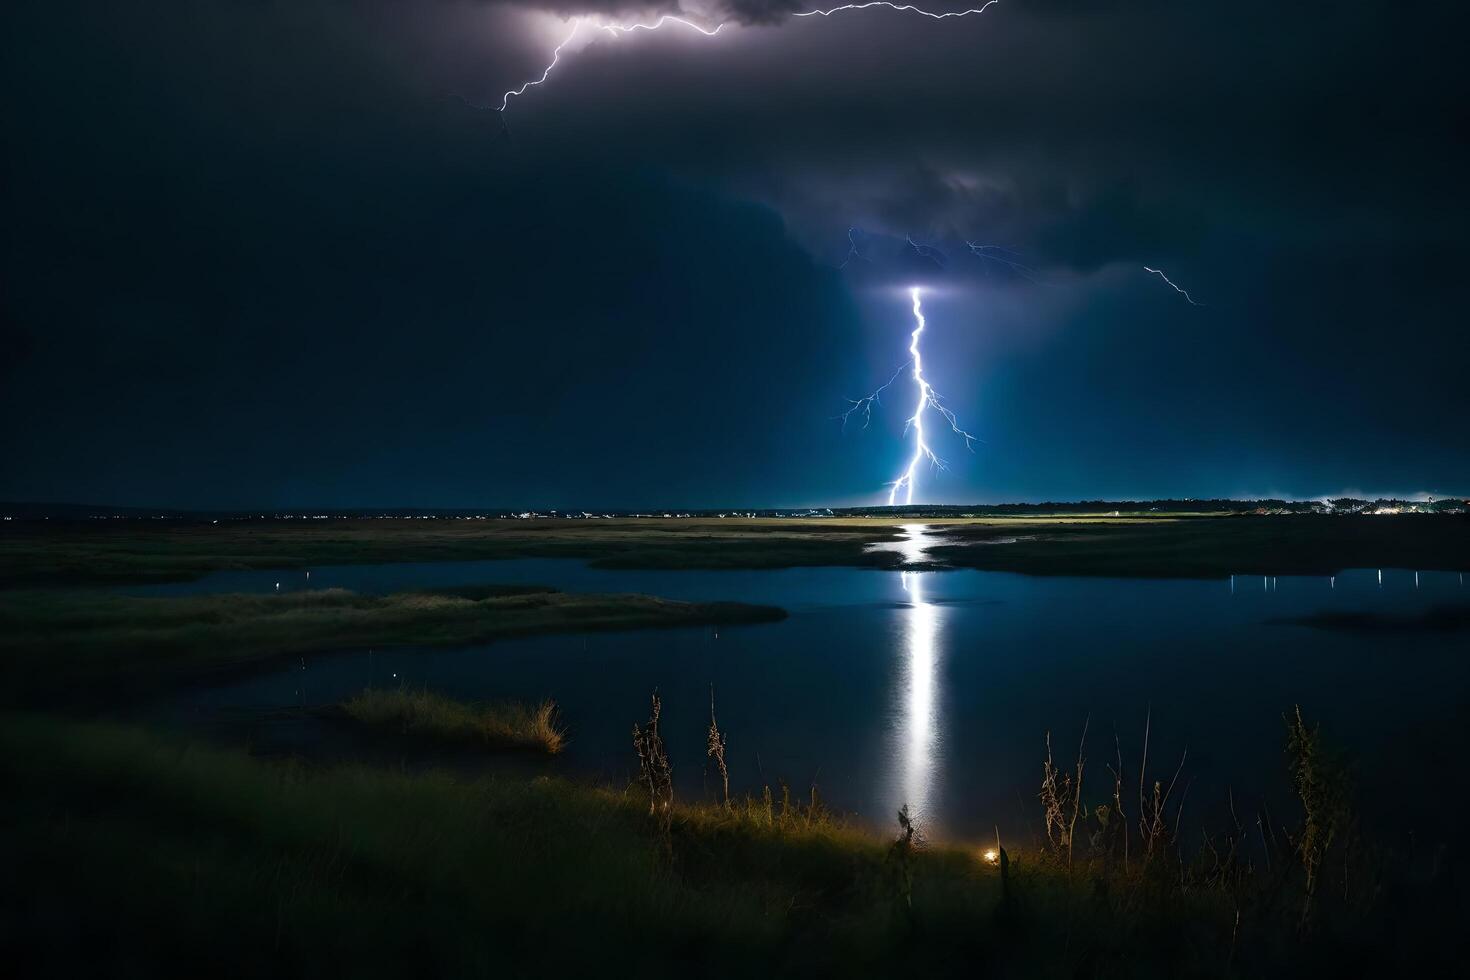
x=918 y=722
x=913 y=546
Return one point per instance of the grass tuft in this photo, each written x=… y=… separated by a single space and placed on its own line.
x=503 y=725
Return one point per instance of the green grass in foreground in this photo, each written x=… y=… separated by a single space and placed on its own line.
x=128 y=853
x=505 y=725
x=56 y=642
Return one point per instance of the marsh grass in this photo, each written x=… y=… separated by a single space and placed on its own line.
x=58 y=554
x=54 y=642
x=1208 y=547
x=54 y=554
x=1289 y=896
x=122 y=846
x=424 y=714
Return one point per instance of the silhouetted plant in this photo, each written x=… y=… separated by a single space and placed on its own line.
x=1153 y=825
x=1115 y=819
x=714 y=748
x=654 y=769
x=1321 y=786
x=900 y=860
x=1061 y=799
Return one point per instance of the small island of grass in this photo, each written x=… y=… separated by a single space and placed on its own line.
x=422 y=713
x=70 y=643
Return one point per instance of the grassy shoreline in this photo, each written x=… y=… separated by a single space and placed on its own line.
x=70 y=554
x=1163 y=546
x=115 y=837
x=1209 y=548
x=64 y=642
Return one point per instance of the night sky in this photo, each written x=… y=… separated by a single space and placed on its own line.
x=288 y=253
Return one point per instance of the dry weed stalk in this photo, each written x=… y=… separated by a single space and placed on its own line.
x=654 y=769
x=1061 y=798
x=1227 y=868
x=1122 y=817
x=1321 y=787
x=714 y=748
x=1153 y=827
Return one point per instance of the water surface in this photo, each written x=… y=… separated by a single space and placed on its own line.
x=935 y=689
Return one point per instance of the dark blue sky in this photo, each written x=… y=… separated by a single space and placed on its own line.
x=267 y=254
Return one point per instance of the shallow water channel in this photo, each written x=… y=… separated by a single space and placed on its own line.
x=933 y=689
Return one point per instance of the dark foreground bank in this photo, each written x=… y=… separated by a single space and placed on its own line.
x=129 y=853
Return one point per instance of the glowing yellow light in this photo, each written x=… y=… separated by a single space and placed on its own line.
x=991 y=856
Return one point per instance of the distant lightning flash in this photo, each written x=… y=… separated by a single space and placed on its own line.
x=1004 y=256
x=614 y=29
x=864 y=406
x=545 y=74
x=667 y=19
x=902 y=8
x=853 y=252
x=1177 y=289
x=928 y=398
x=927 y=252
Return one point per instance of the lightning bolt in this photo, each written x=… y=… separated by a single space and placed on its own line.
x=613 y=29
x=854 y=253
x=927 y=252
x=546 y=73
x=865 y=404
x=928 y=398
x=902 y=8
x=1002 y=255
x=1181 y=292
x=667 y=19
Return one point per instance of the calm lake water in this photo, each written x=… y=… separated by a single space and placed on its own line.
x=936 y=689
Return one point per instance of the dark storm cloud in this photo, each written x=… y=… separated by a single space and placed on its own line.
x=761 y=11
x=611 y=8
x=1090 y=133
x=708 y=13
x=264 y=252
